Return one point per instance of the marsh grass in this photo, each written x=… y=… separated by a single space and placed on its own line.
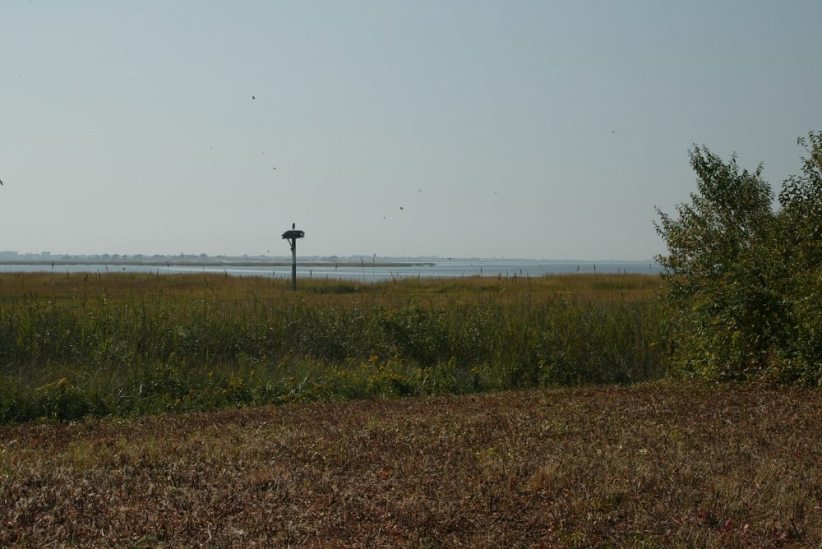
x=77 y=345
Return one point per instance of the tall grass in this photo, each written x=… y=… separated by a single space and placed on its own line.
x=78 y=345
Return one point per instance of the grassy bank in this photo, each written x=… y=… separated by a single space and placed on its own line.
x=654 y=465
x=75 y=345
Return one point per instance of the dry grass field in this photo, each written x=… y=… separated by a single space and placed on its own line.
x=655 y=464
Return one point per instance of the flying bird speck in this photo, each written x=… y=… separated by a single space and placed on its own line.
x=253 y=98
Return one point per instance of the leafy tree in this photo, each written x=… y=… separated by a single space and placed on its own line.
x=798 y=246
x=744 y=280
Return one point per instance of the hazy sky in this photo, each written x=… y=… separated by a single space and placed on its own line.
x=464 y=128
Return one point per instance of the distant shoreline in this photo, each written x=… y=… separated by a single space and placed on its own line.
x=178 y=263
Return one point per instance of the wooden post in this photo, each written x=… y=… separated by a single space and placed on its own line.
x=292 y=237
x=294 y=264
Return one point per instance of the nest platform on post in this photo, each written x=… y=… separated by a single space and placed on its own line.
x=292 y=237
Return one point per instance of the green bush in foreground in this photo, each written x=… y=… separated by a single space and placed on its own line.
x=745 y=281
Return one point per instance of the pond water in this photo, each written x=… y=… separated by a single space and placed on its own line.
x=366 y=271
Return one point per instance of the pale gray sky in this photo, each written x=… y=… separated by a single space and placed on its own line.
x=510 y=129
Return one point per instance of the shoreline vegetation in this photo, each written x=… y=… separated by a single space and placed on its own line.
x=80 y=344
x=199 y=409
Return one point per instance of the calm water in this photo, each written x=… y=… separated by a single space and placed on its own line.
x=440 y=269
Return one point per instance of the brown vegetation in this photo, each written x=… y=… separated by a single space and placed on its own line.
x=655 y=464
x=130 y=286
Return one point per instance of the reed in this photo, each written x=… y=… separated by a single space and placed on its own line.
x=76 y=345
